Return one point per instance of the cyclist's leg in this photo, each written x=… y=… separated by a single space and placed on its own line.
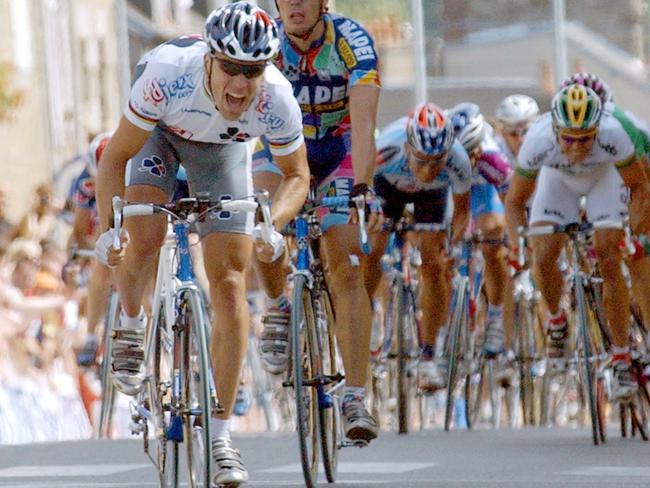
x=227 y=248
x=489 y=217
x=554 y=203
x=352 y=305
x=274 y=340
x=606 y=202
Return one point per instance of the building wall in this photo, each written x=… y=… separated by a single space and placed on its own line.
x=66 y=57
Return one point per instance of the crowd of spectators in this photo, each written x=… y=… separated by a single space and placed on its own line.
x=44 y=395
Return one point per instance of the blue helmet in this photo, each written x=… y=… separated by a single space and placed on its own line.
x=428 y=130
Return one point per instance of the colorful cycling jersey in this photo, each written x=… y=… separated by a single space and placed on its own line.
x=540 y=148
x=492 y=166
x=323 y=75
x=636 y=128
x=392 y=163
x=170 y=90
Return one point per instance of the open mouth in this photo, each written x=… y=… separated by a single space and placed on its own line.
x=235 y=102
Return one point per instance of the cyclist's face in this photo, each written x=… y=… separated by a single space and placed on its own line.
x=299 y=16
x=233 y=84
x=424 y=168
x=576 y=145
x=514 y=135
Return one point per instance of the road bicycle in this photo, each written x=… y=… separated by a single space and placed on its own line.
x=315 y=372
x=395 y=366
x=179 y=396
x=589 y=355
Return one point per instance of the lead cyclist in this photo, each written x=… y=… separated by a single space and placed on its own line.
x=196 y=101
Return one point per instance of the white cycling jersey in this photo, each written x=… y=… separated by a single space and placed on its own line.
x=170 y=90
x=613 y=146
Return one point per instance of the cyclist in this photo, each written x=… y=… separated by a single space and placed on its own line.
x=490 y=176
x=419 y=161
x=83 y=235
x=331 y=62
x=639 y=133
x=514 y=115
x=197 y=101
x=574 y=151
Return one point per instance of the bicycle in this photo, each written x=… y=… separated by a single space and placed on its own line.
x=589 y=352
x=315 y=370
x=466 y=364
x=179 y=396
x=400 y=349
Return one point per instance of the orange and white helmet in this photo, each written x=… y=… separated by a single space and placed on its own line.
x=428 y=130
x=95 y=150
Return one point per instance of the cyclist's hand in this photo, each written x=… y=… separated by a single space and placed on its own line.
x=104 y=251
x=374 y=211
x=267 y=252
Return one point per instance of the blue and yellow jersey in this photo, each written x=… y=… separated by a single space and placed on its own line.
x=322 y=76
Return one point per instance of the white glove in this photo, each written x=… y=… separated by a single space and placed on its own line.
x=104 y=245
x=274 y=239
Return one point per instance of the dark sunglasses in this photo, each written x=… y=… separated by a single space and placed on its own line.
x=428 y=160
x=250 y=71
x=576 y=139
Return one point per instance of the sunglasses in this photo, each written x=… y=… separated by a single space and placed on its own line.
x=575 y=139
x=250 y=71
x=426 y=160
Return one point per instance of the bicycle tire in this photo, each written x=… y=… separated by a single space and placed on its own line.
x=158 y=390
x=107 y=409
x=458 y=318
x=329 y=418
x=401 y=326
x=305 y=368
x=525 y=351
x=196 y=395
x=589 y=386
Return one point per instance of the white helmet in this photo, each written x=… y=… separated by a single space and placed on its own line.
x=517 y=109
x=469 y=125
x=95 y=150
x=243 y=32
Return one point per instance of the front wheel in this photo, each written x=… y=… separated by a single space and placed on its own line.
x=197 y=401
x=305 y=370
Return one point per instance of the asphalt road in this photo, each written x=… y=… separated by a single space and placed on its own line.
x=537 y=458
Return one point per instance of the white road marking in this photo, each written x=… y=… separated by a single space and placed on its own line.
x=363 y=468
x=624 y=471
x=73 y=470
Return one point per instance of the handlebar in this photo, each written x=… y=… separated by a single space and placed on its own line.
x=185 y=208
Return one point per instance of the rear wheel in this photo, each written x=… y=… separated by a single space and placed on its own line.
x=329 y=416
x=109 y=394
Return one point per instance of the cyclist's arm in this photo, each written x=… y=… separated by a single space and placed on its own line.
x=125 y=143
x=363 y=116
x=293 y=189
x=521 y=189
x=83 y=218
x=635 y=178
x=460 y=220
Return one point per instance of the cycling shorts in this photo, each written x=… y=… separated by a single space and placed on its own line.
x=557 y=196
x=330 y=164
x=221 y=170
x=484 y=199
x=429 y=206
